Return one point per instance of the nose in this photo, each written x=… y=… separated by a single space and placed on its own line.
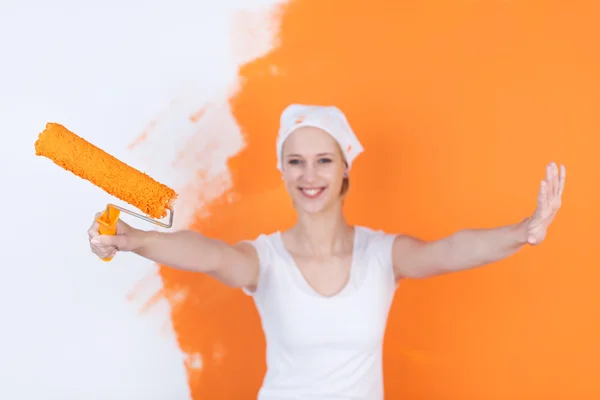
x=310 y=173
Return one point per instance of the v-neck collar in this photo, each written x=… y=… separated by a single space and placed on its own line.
x=301 y=280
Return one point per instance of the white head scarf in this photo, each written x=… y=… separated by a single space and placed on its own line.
x=328 y=118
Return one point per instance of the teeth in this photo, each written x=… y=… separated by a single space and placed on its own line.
x=311 y=192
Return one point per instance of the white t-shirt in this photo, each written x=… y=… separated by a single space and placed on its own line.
x=324 y=347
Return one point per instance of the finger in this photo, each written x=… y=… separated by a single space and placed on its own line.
x=109 y=253
x=98 y=251
x=549 y=180
x=101 y=241
x=543 y=198
x=555 y=180
x=103 y=251
x=561 y=180
x=102 y=247
x=92 y=233
x=104 y=256
x=109 y=241
x=93 y=230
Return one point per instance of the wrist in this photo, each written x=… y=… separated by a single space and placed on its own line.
x=137 y=239
x=522 y=232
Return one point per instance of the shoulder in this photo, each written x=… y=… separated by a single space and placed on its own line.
x=397 y=241
x=373 y=236
x=392 y=248
x=262 y=248
x=376 y=242
x=377 y=255
x=399 y=251
x=261 y=245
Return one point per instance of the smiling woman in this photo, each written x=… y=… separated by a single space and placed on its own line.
x=326 y=129
x=324 y=287
x=311 y=158
x=328 y=162
x=498 y=87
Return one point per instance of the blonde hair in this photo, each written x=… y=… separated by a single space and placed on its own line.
x=346 y=181
x=345 y=186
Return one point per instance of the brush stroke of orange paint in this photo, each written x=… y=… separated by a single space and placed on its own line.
x=195 y=117
x=143 y=136
x=459 y=106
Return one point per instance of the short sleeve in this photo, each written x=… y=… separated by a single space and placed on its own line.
x=262 y=245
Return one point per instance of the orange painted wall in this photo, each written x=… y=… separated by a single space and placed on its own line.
x=459 y=105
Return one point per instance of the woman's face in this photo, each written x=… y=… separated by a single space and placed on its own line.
x=313 y=169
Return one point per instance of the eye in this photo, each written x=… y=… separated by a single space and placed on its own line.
x=325 y=160
x=294 y=161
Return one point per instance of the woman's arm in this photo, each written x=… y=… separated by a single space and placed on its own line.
x=234 y=265
x=470 y=248
x=465 y=249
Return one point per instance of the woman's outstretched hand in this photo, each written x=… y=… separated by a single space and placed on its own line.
x=549 y=202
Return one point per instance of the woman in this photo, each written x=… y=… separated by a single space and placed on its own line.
x=323 y=289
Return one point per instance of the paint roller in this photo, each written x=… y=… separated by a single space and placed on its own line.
x=75 y=154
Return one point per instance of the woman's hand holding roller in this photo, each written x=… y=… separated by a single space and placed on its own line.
x=235 y=265
x=106 y=246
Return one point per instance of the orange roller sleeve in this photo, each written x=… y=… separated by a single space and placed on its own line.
x=91 y=163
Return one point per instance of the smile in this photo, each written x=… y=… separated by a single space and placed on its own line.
x=312 y=192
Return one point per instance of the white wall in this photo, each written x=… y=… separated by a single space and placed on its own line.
x=105 y=71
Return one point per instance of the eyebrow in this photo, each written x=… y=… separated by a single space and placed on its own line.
x=299 y=155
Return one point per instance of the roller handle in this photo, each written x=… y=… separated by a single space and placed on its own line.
x=107 y=223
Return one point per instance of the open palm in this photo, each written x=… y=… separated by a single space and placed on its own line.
x=549 y=202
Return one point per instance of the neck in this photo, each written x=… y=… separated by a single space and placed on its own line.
x=325 y=233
